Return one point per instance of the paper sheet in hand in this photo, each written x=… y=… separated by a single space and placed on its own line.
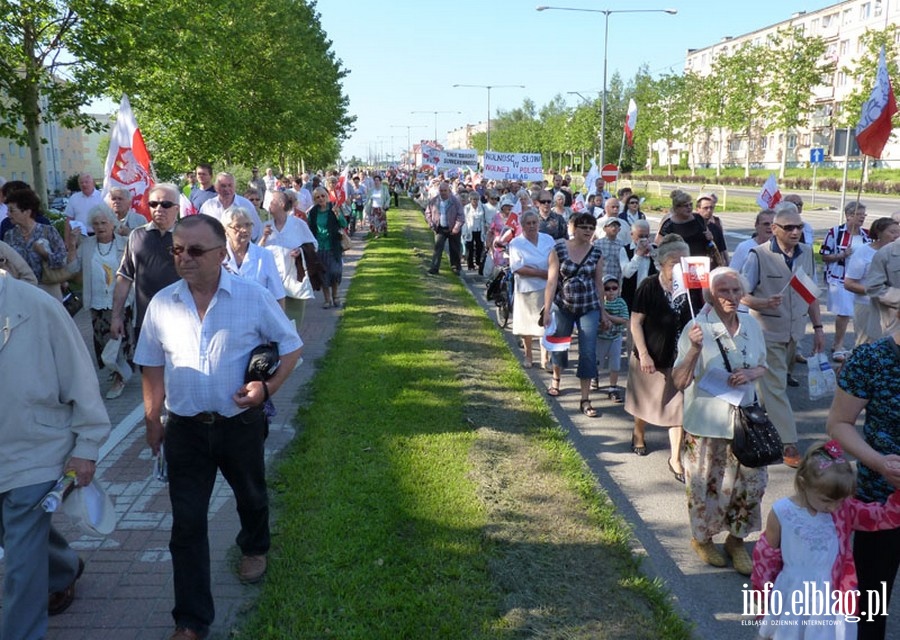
x=715 y=383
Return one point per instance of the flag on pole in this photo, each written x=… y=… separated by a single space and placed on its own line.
x=770 y=195
x=631 y=121
x=591 y=178
x=803 y=284
x=874 y=126
x=578 y=203
x=128 y=161
x=696 y=272
x=340 y=190
x=679 y=285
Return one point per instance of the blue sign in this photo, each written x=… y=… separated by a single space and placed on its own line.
x=817 y=155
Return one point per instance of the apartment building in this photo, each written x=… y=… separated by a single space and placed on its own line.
x=841 y=25
x=461 y=138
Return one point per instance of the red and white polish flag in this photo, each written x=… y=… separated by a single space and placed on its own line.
x=696 y=272
x=128 y=161
x=631 y=121
x=770 y=195
x=875 y=126
x=803 y=285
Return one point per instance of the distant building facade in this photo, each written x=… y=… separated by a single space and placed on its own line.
x=841 y=25
x=461 y=138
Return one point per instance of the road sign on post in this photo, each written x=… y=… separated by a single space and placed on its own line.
x=609 y=173
x=816 y=157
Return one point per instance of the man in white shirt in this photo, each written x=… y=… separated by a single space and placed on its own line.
x=225 y=199
x=81 y=202
x=194 y=348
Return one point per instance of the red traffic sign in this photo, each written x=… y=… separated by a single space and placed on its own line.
x=609 y=173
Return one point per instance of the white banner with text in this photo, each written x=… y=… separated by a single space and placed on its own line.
x=513 y=166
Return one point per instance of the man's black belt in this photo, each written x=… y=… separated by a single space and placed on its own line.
x=207 y=417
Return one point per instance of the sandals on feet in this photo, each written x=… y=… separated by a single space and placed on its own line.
x=587 y=409
x=553 y=389
x=638 y=450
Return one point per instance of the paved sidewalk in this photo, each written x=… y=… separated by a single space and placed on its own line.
x=126 y=591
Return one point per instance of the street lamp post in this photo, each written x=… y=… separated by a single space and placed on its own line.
x=408 y=139
x=489 y=87
x=435 y=119
x=606 y=13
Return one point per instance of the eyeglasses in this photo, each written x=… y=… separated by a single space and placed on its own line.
x=789 y=227
x=545 y=201
x=631 y=202
x=165 y=204
x=238 y=226
x=587 y=227
x=643 y=237
x=194 y=252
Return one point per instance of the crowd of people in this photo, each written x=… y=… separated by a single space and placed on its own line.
x=594 y=262
x=581 y=262
x=186 y=297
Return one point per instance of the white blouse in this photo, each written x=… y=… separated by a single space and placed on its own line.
x=522 y=253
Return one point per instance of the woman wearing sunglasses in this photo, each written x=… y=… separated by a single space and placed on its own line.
x=574 y=283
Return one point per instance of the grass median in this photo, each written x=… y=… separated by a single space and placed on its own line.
x=430 y=494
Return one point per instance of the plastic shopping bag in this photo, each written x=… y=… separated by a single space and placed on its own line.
x=822 y=381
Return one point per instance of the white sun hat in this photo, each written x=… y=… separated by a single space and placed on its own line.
x=91 y=509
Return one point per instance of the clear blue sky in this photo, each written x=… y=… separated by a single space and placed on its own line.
x=406 y=55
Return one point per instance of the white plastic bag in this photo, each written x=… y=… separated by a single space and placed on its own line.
x=822 y=381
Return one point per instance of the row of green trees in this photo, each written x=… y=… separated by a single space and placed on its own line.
x=753 y=90
x=222 y=81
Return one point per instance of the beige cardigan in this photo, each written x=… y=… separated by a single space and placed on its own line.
x=54 y=410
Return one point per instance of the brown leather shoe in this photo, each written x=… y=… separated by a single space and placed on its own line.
x=252 y=569
x=183 y=633
x=59 y=601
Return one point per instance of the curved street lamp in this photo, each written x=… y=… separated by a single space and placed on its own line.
x=606 y=13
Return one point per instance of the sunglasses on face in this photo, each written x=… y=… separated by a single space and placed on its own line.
x=194 y=252
x=165 y=204
x=610 y=288
x=789 y=227
x=545 y=201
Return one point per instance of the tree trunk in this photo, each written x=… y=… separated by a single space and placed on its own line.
x=31 y=108
x=719 y=155
x=669 y=156
x=783 y=157
x=747 y=156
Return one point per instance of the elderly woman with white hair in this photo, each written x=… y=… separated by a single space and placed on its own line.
x=559 y=206
x=97 y=259
x=246 y=259
x=723 y=495
x=529 y=259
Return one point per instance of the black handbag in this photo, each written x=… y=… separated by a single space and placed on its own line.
x=73 y=303
x=756 y=442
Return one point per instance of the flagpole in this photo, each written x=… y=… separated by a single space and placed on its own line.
x=621 y=151
x=859 y=191
x=844 y=180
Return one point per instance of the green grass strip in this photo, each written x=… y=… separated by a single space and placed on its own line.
x=380 y=529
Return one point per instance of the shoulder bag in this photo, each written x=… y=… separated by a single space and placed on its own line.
x=756 y=441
